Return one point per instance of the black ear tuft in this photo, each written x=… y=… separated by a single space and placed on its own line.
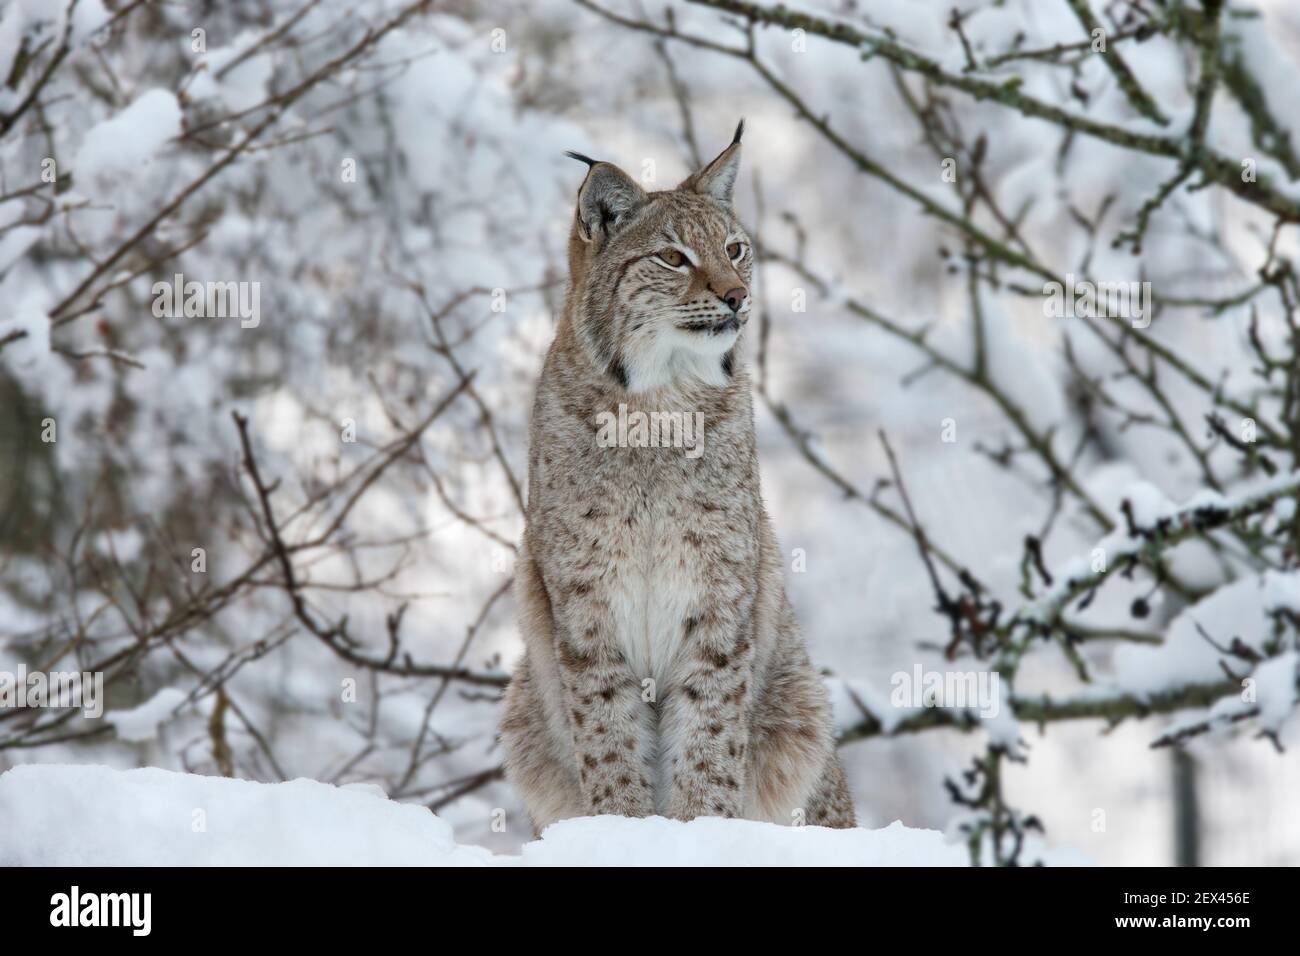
x=587 y=159
x=740 y=131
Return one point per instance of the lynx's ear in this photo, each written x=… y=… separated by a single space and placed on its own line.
x=606 y=197
x=718 y=179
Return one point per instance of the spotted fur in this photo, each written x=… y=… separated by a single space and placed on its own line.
x=663 y=669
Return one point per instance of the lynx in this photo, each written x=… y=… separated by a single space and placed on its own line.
x=663 y=671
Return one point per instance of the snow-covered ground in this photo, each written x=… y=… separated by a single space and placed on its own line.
x=57 y=815
x=449 y=175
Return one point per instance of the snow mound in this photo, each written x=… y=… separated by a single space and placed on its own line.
x=58 y=815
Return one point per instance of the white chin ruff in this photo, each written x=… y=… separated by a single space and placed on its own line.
x=677 y=358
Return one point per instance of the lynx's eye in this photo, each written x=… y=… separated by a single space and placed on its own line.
x=736 y=250
x=672 y=257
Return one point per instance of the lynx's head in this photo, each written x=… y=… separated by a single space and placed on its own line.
x=660 y=281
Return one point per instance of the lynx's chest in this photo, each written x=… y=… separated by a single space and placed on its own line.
x=643 y=513
x=654 y=590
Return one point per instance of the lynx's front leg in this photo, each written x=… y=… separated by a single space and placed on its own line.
x=609 y=720
x=704 y=726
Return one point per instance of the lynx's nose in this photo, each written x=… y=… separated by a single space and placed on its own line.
x=735 y=299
